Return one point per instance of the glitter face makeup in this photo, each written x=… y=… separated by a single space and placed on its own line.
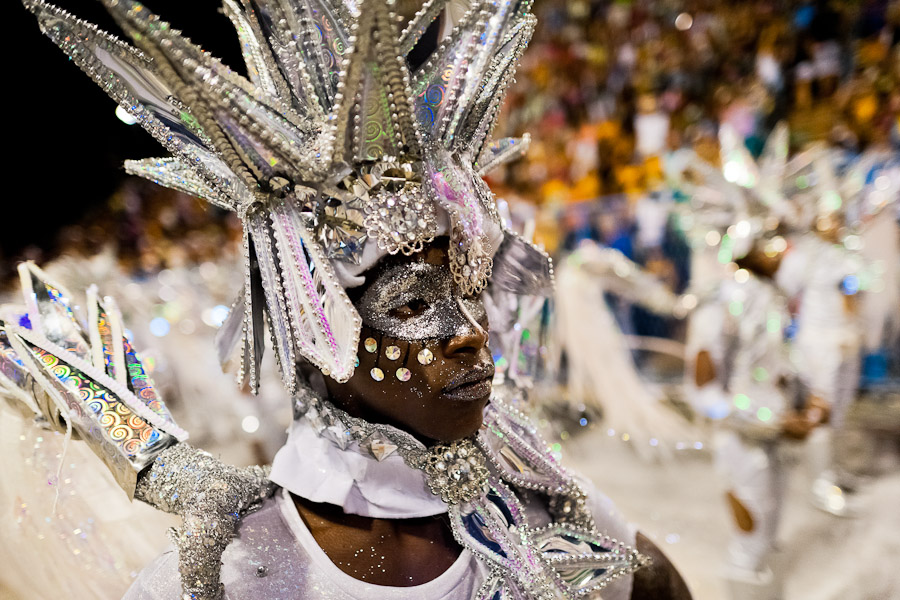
x=417 y=301
x=424 y=362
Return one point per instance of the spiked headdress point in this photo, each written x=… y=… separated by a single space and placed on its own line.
x=333 y=153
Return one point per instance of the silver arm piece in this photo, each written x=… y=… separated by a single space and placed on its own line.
x=210 y=497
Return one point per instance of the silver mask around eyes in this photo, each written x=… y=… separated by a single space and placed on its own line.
x=447 y=314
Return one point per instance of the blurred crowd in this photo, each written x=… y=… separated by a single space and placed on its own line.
x=609 y=87
x=148 y=228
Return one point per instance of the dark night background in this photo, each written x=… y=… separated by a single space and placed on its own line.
x=66 y=143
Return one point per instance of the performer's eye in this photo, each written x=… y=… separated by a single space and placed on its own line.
x=413 y=308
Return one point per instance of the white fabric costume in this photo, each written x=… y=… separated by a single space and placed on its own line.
x=827 y=339
x=826 y=352
x=276 y=538
x=742 y=328
x=602 y=376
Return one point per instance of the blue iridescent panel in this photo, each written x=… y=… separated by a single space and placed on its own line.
x=57 y=319
x=476 y=526
x=141 y=384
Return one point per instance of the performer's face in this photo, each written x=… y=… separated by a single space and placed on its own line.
x=424 y=365
x=761 y=260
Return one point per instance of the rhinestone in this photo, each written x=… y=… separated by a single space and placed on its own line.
x=262 y=571
x=403 y=374
x=377 y=374
x=393 y=353
x=371 y=345
x=425 y=356
x=378 y=448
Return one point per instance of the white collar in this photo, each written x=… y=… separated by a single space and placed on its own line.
x=316 y=468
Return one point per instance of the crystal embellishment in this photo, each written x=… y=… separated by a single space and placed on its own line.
x=371 y=345
x=392 y=352
x=403 y=374
x=341 y=230
x=377 y=374
x=456 y=472
x=378 y=447
x=425 y=356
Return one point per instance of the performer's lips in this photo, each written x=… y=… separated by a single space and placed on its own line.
x=471 y=385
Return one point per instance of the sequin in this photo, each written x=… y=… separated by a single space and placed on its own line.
x=425 y=356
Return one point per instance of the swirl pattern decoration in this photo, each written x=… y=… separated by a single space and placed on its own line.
x=130 y=433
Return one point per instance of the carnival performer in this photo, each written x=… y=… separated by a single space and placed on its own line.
x=825 y=277
x=370 y=241
x=740 y=369
x=845 y=302
x=744 y=363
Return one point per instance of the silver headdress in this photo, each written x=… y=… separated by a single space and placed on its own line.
x=333 y=153
x=744 y=201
